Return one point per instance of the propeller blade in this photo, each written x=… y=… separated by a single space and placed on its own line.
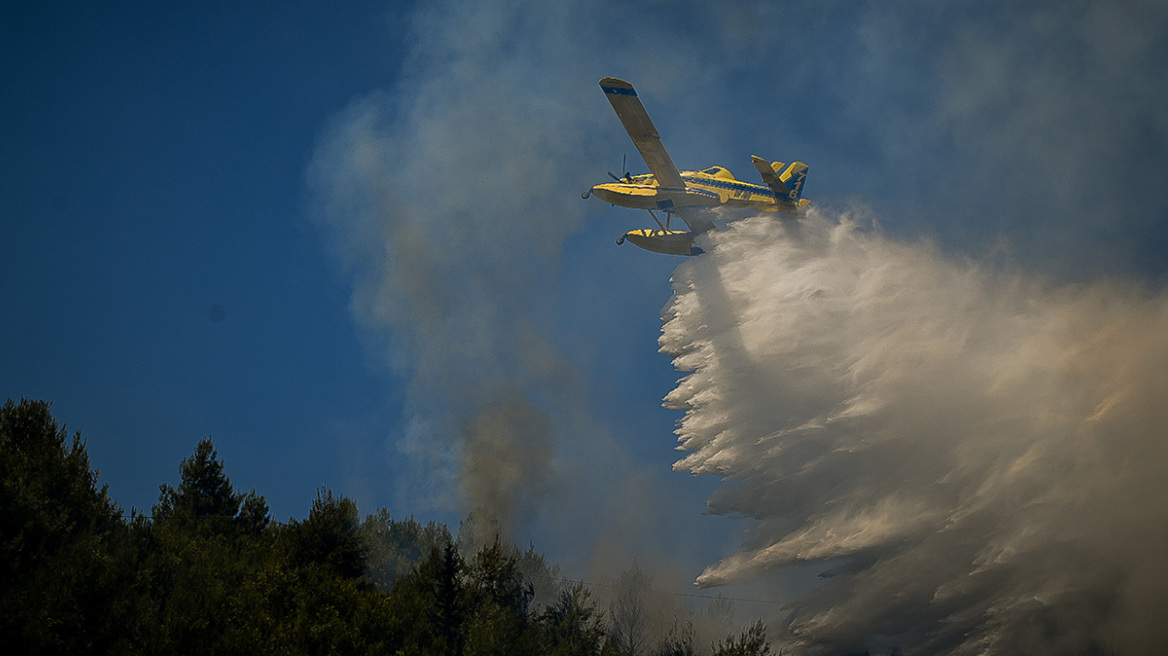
x=627 y=177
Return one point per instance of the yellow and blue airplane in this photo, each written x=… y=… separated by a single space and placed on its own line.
x=688 y=194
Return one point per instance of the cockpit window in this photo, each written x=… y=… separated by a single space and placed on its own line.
x=713 y=170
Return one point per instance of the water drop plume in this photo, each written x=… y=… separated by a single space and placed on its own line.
x=975 y=455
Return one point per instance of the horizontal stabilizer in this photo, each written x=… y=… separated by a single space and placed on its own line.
x=770 y=175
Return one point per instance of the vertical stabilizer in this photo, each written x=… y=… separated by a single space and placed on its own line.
x=793 y=179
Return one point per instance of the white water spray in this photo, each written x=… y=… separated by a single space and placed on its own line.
x=979 y=455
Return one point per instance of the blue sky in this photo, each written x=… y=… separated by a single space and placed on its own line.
x=233 y=220
x=154 y=164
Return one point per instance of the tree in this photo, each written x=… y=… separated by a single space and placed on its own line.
x=449 y=608
x=628 y=615
x=679 y=641
x=330 y=538
x=56 y=527
x=205 y=501
x=428 y=605
x=499 y=601
x=208 y=567
x=395 y=547
x=751 y=642
x=572 y=626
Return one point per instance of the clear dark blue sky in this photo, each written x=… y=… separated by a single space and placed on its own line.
x=165 y=276
x=161 y=279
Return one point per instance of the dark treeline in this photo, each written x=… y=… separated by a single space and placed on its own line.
x=209 y=572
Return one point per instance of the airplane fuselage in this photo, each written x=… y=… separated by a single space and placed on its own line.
x=711 y=187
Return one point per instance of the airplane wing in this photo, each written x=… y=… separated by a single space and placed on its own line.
x=636 y=121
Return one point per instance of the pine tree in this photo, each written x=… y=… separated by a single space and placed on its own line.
x=751 y=642
x=205 y=503
x=56 y=530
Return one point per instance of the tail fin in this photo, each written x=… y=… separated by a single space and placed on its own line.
x=793 y=179
x=787 y=186
x=770 y=175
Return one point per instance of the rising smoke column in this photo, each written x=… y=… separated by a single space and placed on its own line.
x=977 y=456
x=438 y=199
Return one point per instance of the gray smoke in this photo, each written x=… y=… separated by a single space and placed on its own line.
x=977 y=456
x=439 y=200
x=507 y=455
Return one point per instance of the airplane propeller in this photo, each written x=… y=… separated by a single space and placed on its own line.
x=628 y=176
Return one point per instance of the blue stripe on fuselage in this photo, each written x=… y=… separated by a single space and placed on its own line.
x=726 y=184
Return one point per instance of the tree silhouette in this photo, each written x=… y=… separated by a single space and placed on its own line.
x=330 y=538
x=209 y=573
x=205 y=501
x=56 y=528
x=751 y=642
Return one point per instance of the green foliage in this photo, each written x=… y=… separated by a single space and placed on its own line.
x=572 y=626
x=330 y=538
x=428 y=604
x=751 y=642
x=210 y=573
x=498 y=598
x=56 y=533
x=679 y=641
x=395 y=547
x=205 y=502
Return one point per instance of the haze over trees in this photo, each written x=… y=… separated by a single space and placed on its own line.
x=209 y=572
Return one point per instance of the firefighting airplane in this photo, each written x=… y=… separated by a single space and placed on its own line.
x=689 y=194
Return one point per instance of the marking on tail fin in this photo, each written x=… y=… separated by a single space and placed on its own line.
x=793 y=178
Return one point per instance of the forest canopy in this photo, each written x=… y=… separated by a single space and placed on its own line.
x=209 y=572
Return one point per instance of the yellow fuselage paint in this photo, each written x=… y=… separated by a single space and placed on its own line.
x=702 y=190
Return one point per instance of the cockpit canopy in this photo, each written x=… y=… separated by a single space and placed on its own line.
x=719 y=172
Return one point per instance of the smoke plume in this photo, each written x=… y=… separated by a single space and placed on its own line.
x=975 y=456
x=435 y=204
